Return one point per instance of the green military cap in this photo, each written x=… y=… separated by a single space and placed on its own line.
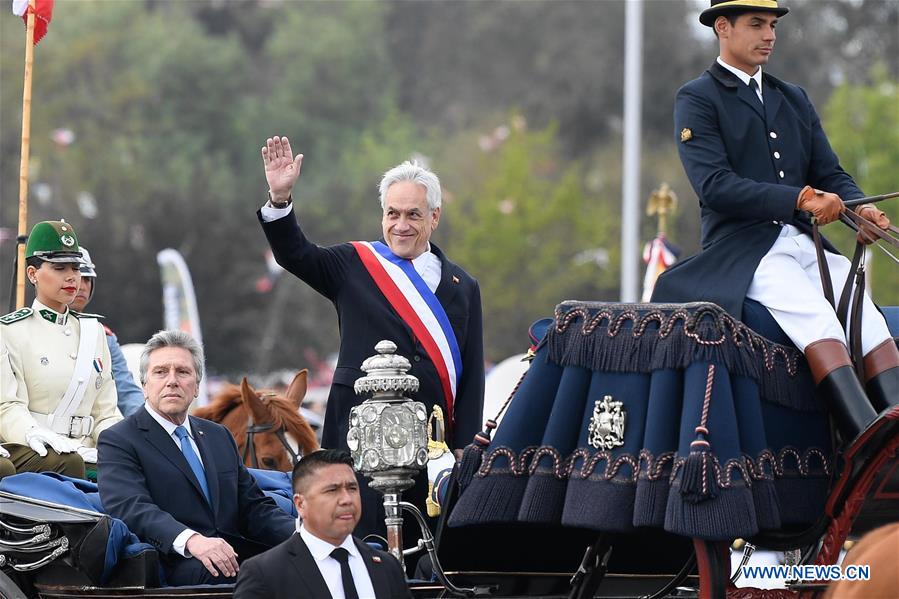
x=53 y=241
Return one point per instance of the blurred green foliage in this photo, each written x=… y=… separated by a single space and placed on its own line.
x=516 y=105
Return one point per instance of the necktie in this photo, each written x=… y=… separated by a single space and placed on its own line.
x=343 y=557
x=194 y=461
x=754 y=86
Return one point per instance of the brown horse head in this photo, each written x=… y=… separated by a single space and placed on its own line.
x=234 y=406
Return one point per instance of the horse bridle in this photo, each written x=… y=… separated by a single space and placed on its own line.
x=253 y=428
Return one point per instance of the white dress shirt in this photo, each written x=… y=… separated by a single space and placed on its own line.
x=330 y=567
x=427 y=264
x=180 y=542
x=745 y=78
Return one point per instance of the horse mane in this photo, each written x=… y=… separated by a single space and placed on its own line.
x=221 y=405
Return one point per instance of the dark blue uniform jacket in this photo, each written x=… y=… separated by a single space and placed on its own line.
x=747 y=164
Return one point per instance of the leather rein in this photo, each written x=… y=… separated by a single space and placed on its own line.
x=850 y=316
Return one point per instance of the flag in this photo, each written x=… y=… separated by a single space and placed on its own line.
x=658 y=256
x=179 y=301
x=43 y=12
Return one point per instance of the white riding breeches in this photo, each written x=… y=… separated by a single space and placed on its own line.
x=788 y=283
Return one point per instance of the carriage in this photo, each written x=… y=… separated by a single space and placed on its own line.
x=642 y=440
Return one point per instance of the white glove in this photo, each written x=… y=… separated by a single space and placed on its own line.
x=38 y=438
x=3 y=452
x=88 y=454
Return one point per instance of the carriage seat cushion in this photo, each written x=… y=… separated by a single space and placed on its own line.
x=56 y=488
x=276 y=485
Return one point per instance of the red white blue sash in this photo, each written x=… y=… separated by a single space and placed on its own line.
x=419 y=308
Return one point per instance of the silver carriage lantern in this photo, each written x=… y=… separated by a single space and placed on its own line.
x=388 y=435
x=388 y=439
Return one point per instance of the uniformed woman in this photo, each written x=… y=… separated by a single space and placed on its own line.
x=57 y=389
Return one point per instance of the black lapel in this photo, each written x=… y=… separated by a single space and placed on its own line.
x=164 y=443
x=309 y=574
x=377 y=572
x=199 y=429
x=773 y=100
x=743 y=91
x=450 y=279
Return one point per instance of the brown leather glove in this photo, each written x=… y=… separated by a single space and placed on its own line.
x=824 y=206
x=873 y=217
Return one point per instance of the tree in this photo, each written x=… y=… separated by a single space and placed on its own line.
x=863 y=127
x=520 y=221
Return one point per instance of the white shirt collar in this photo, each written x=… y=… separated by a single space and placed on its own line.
x=168 y=425
x=741 y=74
x=321 y=549
x=428 y=265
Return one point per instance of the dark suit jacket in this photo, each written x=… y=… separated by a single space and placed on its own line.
x=145 y=481
x=365 y=318
x=289 y=570
x=747 y=164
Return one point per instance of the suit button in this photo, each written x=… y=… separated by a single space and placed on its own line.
x=67 y=332
x=73 y=356
x=772 y=135
x=417 y=358
x=777 y=155
x=781 y=173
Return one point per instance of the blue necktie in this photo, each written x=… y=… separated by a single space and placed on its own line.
x=192 y=459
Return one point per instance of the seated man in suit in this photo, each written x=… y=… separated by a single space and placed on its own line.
x=324 y=559
x=178 y=481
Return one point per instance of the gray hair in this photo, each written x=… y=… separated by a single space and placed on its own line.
x=414 y=171
x=172 y=339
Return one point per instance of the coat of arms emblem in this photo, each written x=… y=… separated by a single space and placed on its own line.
x=606 y=428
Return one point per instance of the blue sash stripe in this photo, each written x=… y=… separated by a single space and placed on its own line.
x=430 y=299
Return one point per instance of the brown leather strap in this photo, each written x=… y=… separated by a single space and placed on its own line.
x=826 y=355
x=855 y=325
x=823 y=269
x=843 y=306
x=881 y=358
x=852 y=219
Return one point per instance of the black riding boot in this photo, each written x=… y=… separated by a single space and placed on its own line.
x=838 y=386
x=882 y=375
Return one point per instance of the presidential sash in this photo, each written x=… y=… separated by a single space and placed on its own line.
x=420 y=309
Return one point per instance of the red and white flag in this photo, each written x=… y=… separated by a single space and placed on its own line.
x=43 y=12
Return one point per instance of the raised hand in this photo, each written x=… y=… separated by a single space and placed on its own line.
x=281 y=168
x=215 y=553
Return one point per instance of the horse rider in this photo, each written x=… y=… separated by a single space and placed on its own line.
x=57 y=392
x=131 y=398
x=754 y=150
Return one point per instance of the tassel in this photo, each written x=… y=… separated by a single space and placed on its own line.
x=698 y=481
x=472 y=455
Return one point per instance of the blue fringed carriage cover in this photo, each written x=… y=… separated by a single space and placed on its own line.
x=664 y=415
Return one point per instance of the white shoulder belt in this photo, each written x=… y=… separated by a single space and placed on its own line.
x=62 y=420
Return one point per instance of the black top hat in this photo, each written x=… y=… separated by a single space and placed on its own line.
x=723 y=7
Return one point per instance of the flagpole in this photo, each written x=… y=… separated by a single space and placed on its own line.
x=23 y=165
x=630 y=183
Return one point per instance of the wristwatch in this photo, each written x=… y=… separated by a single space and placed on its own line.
x=279 y=204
